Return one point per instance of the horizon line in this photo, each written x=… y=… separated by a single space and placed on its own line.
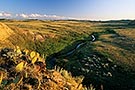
x=23 y=19
x=23 y=16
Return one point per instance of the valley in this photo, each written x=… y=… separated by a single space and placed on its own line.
x=103 y=52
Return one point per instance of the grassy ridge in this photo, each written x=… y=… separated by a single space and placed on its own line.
x=48 y=37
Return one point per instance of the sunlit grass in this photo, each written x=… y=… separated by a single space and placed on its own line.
x=115 y=43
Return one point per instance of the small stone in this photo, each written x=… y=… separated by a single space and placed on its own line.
x=87 y=70
x=115 y=66
x=106 y=64
x=109 y=74
x=82 y=69
x=110 y=60
x=86 y=64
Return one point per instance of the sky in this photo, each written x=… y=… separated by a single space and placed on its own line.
x=68 y=9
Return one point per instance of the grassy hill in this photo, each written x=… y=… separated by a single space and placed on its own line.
x=48 y=36
x=103 y=63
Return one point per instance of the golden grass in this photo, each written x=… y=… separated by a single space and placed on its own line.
x=127 y=32
x=118 y=54
x=48 y=26
x=5 y=31
x=107 y=37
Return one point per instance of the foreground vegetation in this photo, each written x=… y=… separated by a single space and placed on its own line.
x=26 y=70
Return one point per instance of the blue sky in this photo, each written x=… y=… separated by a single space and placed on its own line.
x=80 y=9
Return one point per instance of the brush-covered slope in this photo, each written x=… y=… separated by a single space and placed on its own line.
x=48 y=36
x=107 y=60
x=26 y=70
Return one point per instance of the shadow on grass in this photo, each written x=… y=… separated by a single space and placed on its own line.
x=98 y=68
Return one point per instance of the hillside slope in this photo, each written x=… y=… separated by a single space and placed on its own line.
x=5 y=31
x=26 y=70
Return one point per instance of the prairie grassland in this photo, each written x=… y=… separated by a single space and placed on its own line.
x=127 y=32
x=49 y=36
x=110 y=58
x=121 y=55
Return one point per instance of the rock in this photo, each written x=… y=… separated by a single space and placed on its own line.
x=109 y=74
x=110 y=60
x=86 y=64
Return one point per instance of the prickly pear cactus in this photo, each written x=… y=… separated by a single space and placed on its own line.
x=26 y=70
x=20 y=68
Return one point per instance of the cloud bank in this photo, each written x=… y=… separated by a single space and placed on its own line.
x=4 y=14
x=32 y=16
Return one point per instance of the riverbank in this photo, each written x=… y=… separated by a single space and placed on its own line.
x=98 y=68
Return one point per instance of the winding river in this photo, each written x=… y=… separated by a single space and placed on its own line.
x=53 y=59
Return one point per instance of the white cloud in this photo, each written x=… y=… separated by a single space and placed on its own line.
x=40 y=16
x=35 y=15
x=1 y=14
x=4 y=14
x=23 y=15
x=7 y=14
x=32 y=16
